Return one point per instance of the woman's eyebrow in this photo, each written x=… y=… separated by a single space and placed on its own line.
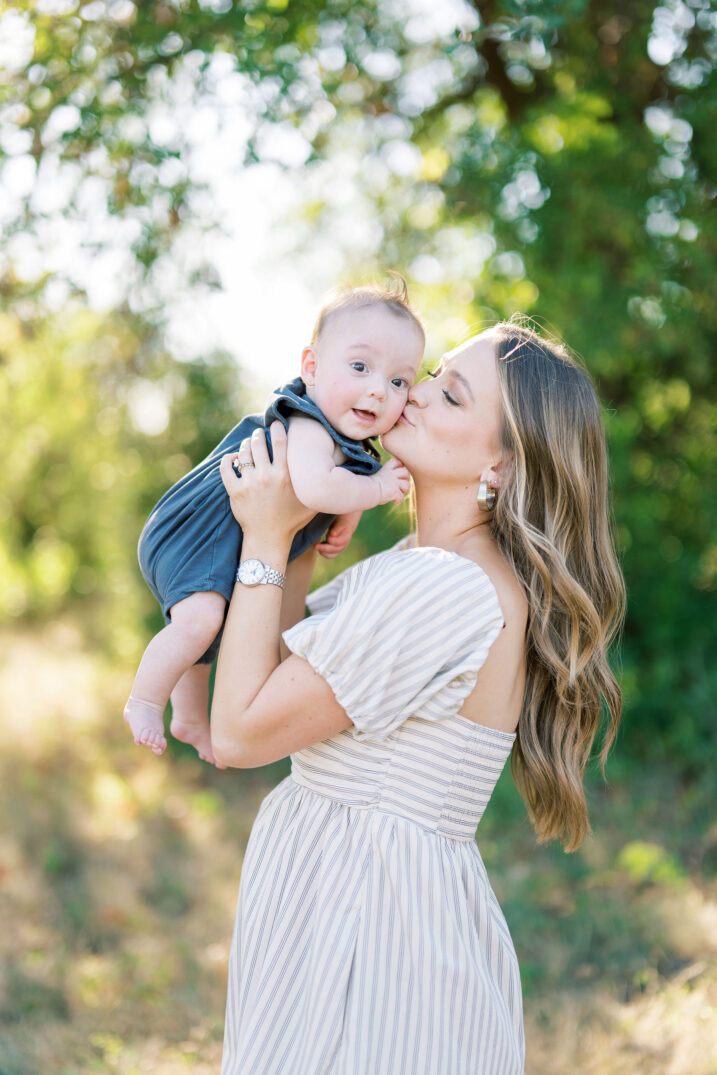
x=462 y=381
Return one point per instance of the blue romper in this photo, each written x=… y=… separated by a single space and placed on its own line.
x=191 y=542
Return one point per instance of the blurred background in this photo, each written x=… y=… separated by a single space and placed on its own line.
x=180 y=182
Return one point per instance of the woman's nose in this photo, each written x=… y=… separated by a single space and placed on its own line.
x=416 y=394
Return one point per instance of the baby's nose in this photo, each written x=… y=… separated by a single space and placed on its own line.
x=377 y=388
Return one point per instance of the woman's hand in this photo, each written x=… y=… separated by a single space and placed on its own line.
x=262 y=499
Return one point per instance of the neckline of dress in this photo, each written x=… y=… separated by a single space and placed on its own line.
x=400 y=547
x=449 y=552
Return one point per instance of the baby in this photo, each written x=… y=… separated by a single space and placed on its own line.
x=364 y=354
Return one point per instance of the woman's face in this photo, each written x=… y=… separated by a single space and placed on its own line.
x=450 y=427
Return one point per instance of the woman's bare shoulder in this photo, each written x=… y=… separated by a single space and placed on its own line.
x=506 y=583
x=497 y=698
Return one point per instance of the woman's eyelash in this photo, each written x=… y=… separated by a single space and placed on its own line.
x=448 y=396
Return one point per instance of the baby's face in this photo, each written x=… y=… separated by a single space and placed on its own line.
x=360 y=370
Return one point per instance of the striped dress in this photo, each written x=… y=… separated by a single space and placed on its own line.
x=368 y=940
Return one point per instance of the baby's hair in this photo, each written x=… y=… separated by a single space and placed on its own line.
x=394 y=298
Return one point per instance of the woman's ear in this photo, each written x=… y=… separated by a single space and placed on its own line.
x=308 y=366
x=492 y=475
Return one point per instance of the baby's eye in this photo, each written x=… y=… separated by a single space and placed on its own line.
x=360 y=367
x=399 y=382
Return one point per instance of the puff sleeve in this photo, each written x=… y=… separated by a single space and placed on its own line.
x=407 y=635
x=324 y=597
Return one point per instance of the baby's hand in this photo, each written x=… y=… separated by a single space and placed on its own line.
x=394 y=482
x=340 y=533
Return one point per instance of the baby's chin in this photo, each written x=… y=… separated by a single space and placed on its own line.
x=354 y=431
x=386 y=427
x=382 y=431
x=386 y=438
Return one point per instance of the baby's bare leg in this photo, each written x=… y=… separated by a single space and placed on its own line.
x=196 y=621
x=190 y=703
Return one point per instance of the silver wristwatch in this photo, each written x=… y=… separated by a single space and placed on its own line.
x=256 y=573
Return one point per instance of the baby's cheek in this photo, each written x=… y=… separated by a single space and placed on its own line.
x=398 y=405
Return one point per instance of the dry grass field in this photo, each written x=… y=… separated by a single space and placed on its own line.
x=119 y=872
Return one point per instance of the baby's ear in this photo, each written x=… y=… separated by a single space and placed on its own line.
x=308 y=366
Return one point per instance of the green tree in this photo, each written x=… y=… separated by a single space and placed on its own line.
x=97 y=424
x=553 y=157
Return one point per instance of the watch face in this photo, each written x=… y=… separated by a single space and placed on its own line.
x=251 y=572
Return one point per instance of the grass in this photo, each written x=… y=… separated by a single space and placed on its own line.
x=119 y=873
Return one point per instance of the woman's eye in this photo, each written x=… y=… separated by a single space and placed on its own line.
x=431 y=373
x=358 y=366
x=450 y=399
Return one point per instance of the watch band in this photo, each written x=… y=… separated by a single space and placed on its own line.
x=276 y=578
x=269 y=574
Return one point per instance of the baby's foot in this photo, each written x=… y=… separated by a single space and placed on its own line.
x=196 y=733
x=146 y=724
x=190 y=721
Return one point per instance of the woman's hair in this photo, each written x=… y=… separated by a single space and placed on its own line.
x=393 y=298
x=552 y=520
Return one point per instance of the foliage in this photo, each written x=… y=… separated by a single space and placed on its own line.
x=556 y=158
x=99 y=422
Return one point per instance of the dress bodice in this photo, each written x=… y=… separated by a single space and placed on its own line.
x=438 y=775
x=400 y=639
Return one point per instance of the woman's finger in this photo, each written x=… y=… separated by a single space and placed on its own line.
x=244 y=452
x=278 y=443
x=227 y=473
x=242 y=458
x=259 y=450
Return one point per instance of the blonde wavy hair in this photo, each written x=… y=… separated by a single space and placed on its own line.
x=552 y=521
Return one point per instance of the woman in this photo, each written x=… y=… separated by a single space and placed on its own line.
x=368 y=940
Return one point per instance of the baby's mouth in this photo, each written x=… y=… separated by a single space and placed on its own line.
x=368 y=417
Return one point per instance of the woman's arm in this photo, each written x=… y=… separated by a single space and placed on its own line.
x=294 y=708
x=293 y=605
x=260 y=711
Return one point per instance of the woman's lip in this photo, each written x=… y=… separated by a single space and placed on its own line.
x=402 y=418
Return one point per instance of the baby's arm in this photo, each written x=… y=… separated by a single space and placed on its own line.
x=322 y=485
